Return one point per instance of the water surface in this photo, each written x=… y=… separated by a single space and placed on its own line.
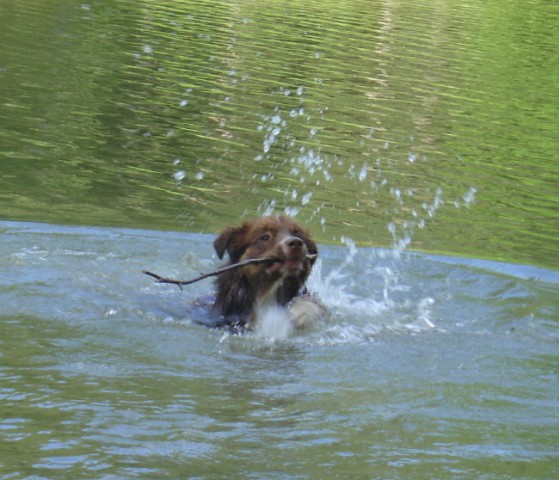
x=426 y=367
x=352 y=116
x=389 y=128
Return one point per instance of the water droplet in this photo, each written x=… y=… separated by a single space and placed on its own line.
x=306 y=198
x=291 y=211
x=179 y=176
x=363 y=173
x=470 y=196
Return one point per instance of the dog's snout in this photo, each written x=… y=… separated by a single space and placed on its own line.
x=294 y=243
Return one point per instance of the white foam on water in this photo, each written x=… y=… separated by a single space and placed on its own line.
x=366 y=297
x=273 y=324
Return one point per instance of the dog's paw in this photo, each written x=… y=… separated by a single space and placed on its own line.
x=306 y=310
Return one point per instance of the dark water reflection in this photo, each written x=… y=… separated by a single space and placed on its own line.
x=381 y=122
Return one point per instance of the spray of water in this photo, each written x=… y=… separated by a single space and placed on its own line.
x=366 y=292
x=274 y=324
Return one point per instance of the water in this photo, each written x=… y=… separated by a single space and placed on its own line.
x=425 y=367
x=352 y=116
x=417 y=140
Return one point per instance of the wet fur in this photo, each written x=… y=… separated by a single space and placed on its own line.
x=241 y=292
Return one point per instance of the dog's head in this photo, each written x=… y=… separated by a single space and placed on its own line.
x=277 y=238
x=290 y=253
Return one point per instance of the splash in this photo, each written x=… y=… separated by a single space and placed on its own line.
x=367 y=297
x=308 y=167
x=366 y=291
x=274 y=324
x=402 y=234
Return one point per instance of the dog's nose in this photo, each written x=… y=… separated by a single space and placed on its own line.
x=294 y=243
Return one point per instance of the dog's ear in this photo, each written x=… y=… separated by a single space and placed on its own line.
x=226 y=242
x=221 y=242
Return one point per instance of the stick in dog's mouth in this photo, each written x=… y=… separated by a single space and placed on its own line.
x=250 y=261
x=289 y=264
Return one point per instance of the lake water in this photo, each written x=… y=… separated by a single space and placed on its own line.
x=417 y=140
x=426 y=366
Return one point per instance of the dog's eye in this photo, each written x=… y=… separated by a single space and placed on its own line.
x=265 y=237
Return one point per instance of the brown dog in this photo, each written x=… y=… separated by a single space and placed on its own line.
x=243 y=292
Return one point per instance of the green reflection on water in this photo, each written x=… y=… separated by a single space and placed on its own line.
x=355 y=117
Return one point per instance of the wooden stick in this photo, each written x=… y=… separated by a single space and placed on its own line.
x=250 y=261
